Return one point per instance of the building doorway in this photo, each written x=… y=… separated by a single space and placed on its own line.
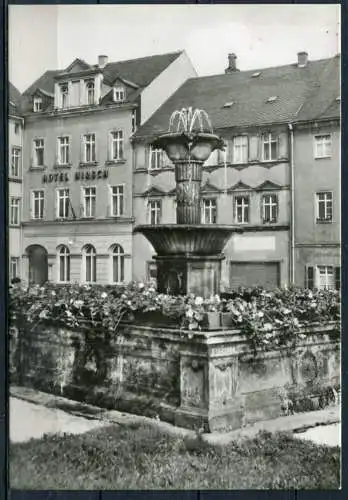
x=38 y=264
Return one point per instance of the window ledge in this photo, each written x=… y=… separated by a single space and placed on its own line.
x=324 y=221
x=269 y=222
x=38 y=168
x=155 y=171
x=15 y=179
x=14 y=225
x=62 y=165
x=110 y=163
x=83 y=164
x=322 y=157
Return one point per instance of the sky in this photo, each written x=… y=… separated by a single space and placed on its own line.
x=45 y=37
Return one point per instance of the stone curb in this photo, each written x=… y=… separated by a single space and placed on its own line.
x=292 y=423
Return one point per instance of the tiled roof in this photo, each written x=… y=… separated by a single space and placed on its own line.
x=292 y=86
x=141 y=71
x=14 y=97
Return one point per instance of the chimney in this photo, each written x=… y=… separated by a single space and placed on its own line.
x=232 y=66
x=302 y=59
x=102 y=61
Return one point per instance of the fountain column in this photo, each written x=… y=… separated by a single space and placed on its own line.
x=188 y=178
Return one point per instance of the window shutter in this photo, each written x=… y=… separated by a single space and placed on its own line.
x=31 y=203
x=55 y=204
x=32 y=159
x=337 y=278
x=96 y=147
x=57 y=158
x=147 y=163
x=82 y=159
x=254 y=142
x=283 y=146
x=309 y=277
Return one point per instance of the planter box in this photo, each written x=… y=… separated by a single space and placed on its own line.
x=155 y=318
x=226 y=320
x=213 y=320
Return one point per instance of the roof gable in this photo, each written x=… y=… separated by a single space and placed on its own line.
x=119 y=82
x=76 y=66
x=240 y=186
x=268 y=186
x=14 y=97
x=154 y=191
x=209 y=188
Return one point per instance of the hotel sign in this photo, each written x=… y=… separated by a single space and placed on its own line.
x=90 y=175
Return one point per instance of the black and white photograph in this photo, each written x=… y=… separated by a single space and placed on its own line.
x=174 y=247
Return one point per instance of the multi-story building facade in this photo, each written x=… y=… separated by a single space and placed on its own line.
x=317 y=200
x=15 y=191
x=252 y=183
x=77 y=164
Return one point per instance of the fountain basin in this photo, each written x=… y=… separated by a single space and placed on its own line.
x=187 y=240
x=188 y=146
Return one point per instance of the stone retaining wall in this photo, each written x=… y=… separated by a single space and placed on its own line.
x=211 y=381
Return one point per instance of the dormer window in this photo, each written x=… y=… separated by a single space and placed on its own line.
x=64 y=95
x=90 y=92
x=37 y=106
x=119 y=94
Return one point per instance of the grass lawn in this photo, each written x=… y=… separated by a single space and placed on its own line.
x=141 y=457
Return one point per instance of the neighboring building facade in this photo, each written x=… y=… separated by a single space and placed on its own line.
x=77 y=164
x=15 y=182
x=317 y=193
x=250 y=185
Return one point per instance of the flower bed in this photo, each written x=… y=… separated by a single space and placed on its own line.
x=268 y=319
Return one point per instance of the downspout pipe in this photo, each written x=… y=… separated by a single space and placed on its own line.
x=292 y=206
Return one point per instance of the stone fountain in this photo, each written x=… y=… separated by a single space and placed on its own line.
x=189 y=253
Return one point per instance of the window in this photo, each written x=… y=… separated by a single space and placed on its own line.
x=322 y=146
x=240 y=149
x=90 y=92
x=64 y=95
x=116 y=145
x=37 y=106
x=117 y=256
x=64 y=264
x=326 y=277
x=269 y=208
x=154 y=212
x=324 y=207
x=209 y=211
x=117 y=201
x=16 y=128
x=156 y=159
x=89 y=201
x=14 y=211
x=89 y=155
x=269 y=147
x=151 y=271
x=63 y=150
x=63 y=203
x=38 y=204
x=39 y=150
x=14 y=267
x=15 y=162
x=323 y=277
x=119 y=94
x=134 y=120
x=242 y=209
x=89 y=256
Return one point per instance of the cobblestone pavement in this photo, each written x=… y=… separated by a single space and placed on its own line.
x=28 y=420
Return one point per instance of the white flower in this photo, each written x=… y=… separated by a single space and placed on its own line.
x=141 y=285
x=78 y=303
x=199 y=301
x=260 y=314
x=286 y=311
x=104 y=295
x=43 y=314
x=69 y=314
x=189 y=313
x=53 y=293
x=267 y=326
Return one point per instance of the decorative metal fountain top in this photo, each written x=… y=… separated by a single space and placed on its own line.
x=188 y=121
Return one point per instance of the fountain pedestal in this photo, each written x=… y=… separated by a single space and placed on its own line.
x=181 y=275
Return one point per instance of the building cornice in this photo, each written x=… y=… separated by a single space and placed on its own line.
x=79 y=111
x=67 y=222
